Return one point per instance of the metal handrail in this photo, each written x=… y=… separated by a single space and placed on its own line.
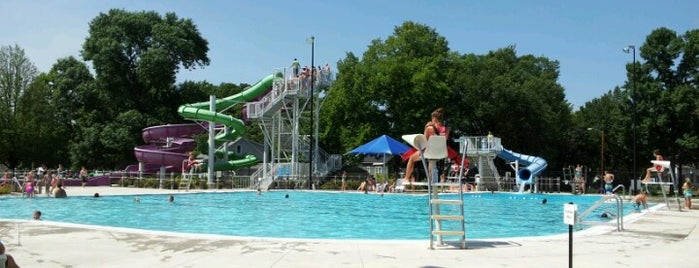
x=619 y=209
x=623 y=189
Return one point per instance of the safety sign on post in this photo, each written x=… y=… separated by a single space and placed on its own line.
x=570 y=212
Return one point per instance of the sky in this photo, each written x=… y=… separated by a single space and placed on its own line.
x=250 y=39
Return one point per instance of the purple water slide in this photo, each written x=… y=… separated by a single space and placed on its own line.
x=169 y=144
x=161 y=133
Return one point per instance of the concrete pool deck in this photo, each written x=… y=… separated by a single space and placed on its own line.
x=655 y=238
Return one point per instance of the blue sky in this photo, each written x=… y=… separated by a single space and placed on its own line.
x=248 y=39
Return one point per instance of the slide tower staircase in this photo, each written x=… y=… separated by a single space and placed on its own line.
x=482 y=151
x=278 y=114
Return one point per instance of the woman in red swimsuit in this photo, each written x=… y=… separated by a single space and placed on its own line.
x=432 y=127
x=654 y=168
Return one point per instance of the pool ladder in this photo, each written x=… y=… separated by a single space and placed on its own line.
x=619 y=210
x=436 y=151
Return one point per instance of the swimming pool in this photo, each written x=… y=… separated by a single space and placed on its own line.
x=331 y=215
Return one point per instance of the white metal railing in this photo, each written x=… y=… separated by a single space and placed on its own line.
x=623 y=189
x=289 y=85
x=481 y=144
x=619 y=210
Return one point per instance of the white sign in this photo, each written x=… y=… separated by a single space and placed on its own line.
x=570 y=211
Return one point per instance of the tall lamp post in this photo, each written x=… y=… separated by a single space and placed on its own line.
x=601 y=151
x=632 y=49
x=312 y=41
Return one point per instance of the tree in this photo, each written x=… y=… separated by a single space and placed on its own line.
x=668 y=99
x=136 y=56
x=663 y=85
x=16 y=75
x=41 y=131
x=398 y=82
x=76 y=105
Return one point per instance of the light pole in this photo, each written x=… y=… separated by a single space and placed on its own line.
x=312 y=41
x=601 y=151
x=627 y=49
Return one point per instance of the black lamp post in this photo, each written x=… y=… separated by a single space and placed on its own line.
x=311 y=40
x=632 y=49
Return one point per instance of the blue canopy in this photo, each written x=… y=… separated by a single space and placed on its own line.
x=381 y=146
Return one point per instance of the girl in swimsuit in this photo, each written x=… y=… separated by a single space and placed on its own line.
x=29 y=185
x=431 y=128
x=687 y=187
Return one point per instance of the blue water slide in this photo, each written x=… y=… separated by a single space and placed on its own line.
x=534 y=165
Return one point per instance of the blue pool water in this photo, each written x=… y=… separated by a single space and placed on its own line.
x=331 y=215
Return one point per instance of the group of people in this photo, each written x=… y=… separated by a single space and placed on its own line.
x=370 y=185
x=45 y=181
x=322 y=74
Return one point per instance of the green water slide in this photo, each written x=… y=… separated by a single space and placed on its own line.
x=200 y=111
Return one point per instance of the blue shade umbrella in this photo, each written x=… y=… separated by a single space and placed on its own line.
x=383 y=145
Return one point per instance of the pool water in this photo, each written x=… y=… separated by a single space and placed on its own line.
x=331 y=215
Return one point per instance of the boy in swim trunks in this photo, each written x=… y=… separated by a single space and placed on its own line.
x=640 y=199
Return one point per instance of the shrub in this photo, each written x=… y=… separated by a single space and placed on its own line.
x=5 y=189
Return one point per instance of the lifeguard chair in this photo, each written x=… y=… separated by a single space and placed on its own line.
x=431 y=151
x=664 y=177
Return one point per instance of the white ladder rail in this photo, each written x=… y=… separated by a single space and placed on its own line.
x=431 y=151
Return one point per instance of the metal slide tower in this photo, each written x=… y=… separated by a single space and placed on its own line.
x=278 y=113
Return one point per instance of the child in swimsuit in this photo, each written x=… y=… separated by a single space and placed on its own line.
x=688 y=188
x=29 y=189
x=608 y=180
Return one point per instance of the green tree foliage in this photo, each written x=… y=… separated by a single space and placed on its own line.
x=17 y=74
x=136 y=56
x=663 y=84
x=399 y=82
x=44 y=130
x=75 y=104
x=668 y=96
x=515 y=98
